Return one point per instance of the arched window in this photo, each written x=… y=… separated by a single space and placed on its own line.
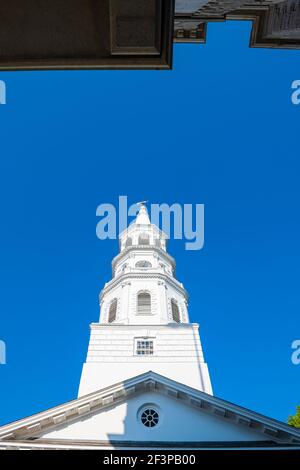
x=128 y=242
x=144 y=303
x=175 y=311
x=112 y=311
x=143 y=264
x=144 y=239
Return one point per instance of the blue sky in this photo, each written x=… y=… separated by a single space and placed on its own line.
x=220 y=129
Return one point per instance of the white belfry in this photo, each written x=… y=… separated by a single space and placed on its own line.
x=144 y=323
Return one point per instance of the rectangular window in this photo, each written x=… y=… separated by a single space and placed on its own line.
x=144 y=347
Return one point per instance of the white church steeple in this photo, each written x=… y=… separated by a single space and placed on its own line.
x=144 y=323
x=143 y=289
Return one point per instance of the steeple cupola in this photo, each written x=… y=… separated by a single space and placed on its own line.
x=142 y=233
x=143 y=273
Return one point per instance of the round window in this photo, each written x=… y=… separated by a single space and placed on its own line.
x=149 y=417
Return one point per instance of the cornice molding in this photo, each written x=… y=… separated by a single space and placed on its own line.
x=66 y=444
x=146 y=275
x=96 y=326
x=140 y=248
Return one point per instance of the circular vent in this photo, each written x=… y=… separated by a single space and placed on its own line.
x=149 y=417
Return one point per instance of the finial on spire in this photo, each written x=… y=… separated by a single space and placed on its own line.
x=142 y=217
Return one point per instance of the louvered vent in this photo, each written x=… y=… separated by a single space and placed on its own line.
x=112 y=311
x=175 y=311
x=144 y=304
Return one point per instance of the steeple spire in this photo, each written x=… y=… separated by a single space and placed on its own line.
x=143 y=216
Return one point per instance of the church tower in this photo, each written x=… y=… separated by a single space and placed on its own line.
x=144 y=323
x=145 y=384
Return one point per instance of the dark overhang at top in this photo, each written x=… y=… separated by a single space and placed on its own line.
x=129 y=34
x=86 y=34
